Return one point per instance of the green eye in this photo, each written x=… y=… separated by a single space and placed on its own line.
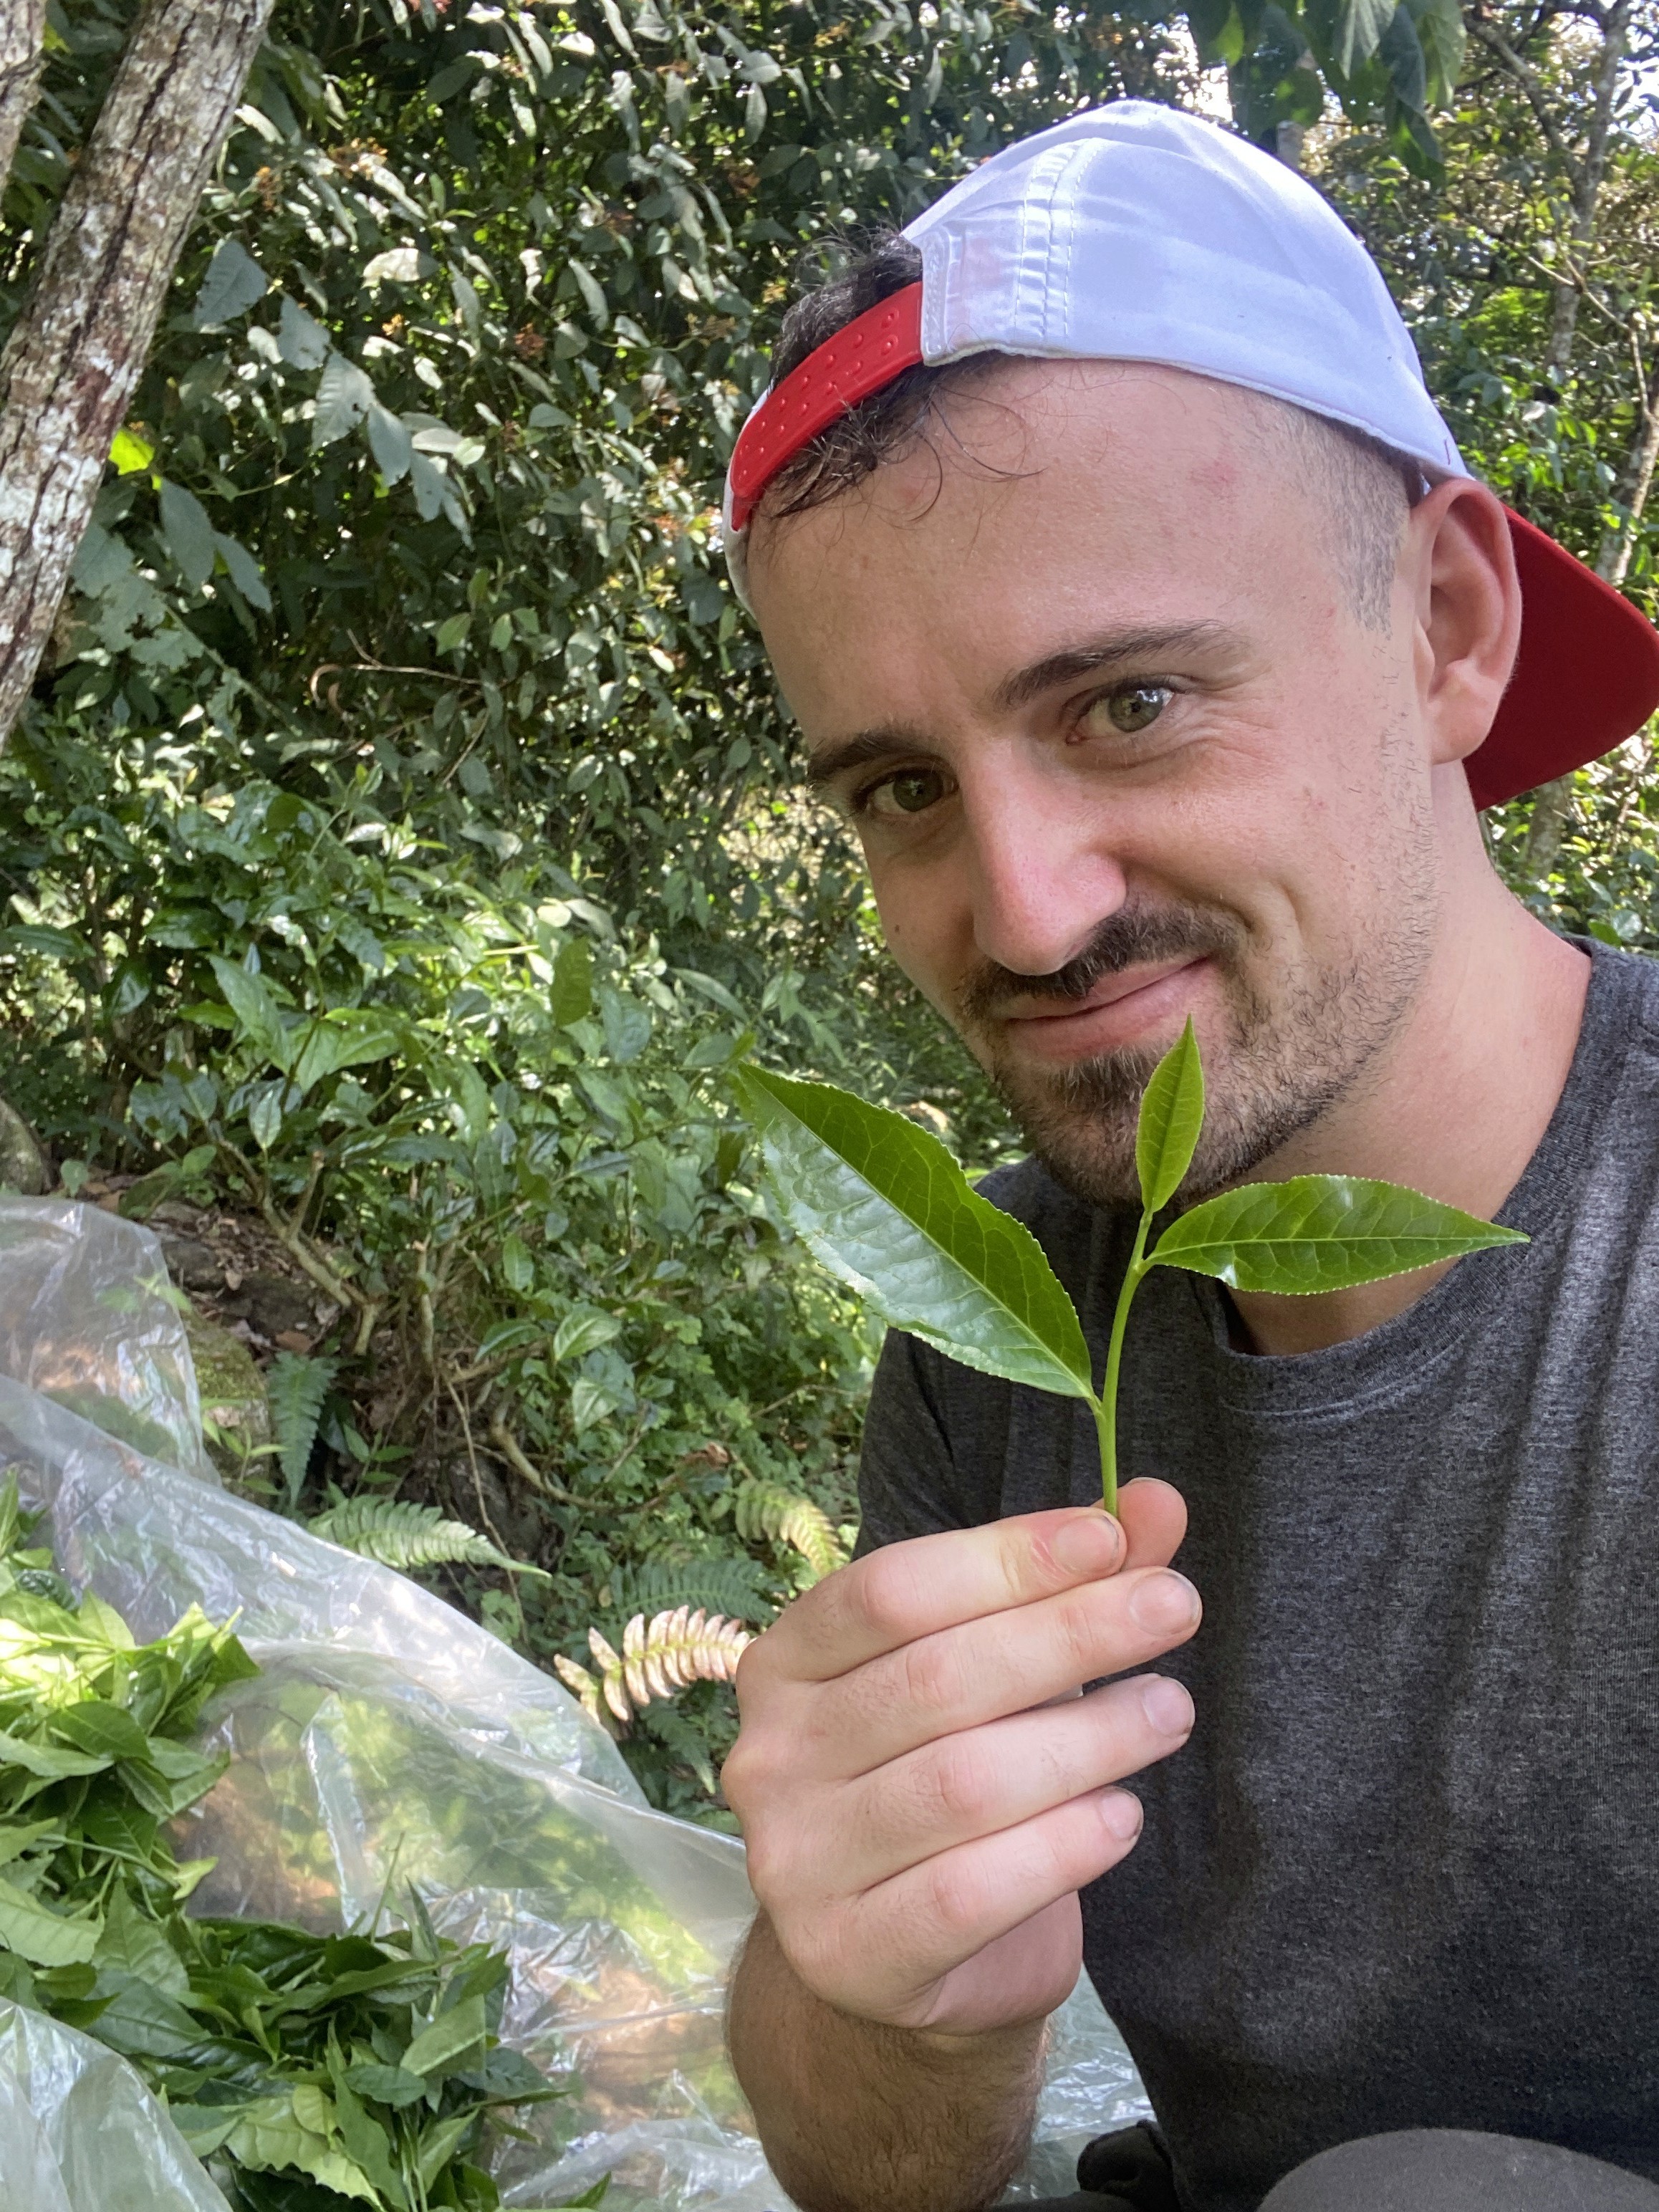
x=1133 y=708
x=911 y=792
x=1137 y=707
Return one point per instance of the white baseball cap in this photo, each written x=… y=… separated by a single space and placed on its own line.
x=1138 y=233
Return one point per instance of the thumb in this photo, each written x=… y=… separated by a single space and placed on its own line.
x=1154 y=1518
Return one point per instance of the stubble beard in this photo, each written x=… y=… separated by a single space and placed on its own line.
x=1294 y=1044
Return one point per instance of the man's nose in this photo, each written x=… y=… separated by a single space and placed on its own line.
x=1044 y=874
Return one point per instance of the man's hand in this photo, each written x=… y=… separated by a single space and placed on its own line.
x=921 y=1790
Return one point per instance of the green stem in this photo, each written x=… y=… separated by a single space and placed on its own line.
x=1105 y=1407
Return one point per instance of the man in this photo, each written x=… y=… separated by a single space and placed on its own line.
x=1137 y=608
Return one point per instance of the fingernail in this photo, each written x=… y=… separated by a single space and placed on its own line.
x=1090 y=1545
x=1166 y=1706
x=1163 y=1603
x=1121 y=1811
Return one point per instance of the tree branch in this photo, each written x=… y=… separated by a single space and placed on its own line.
x=76 y=353
x=1526 y=77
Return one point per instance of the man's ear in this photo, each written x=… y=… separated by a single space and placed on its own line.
x=1462 y=564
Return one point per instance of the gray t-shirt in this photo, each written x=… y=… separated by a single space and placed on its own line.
x=1405 y=1874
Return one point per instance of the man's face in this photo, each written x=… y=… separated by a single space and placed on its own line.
x=1082 y=673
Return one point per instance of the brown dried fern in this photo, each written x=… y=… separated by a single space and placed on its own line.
x=787 y=1516
x=658 y=1658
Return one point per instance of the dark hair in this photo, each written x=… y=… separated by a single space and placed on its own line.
x=1367 y=486
x=856 y=443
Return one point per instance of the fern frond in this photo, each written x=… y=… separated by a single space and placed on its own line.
x=681 y=1740
x=658 y=1657
x=719 y=1583
x=296 y=1387
x=582 y=1686
x=767 y=1510
x=400 y=1533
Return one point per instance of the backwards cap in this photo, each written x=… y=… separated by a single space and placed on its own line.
x=1138 y=233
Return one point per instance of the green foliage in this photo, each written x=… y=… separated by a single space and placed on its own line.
x=898 y=1221
x=297 y=1386
x=737 y=1587
x=1391 y=64
x=304 y=2069
x=401 y=1533
x=1474 y=263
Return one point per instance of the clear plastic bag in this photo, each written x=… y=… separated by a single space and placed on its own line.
x=88 y=1320
x=389 y=1741
x=79 y=2132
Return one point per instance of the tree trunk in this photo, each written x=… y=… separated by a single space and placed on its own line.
x=1552 y=806
x=68 y=369
x=22 y=49
x=1635 y=482
x=1587 y=187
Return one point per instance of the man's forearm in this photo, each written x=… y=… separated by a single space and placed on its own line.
x=858 y=2117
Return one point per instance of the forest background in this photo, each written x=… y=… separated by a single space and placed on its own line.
x=402 y=835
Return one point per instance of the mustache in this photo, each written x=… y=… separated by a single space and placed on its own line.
x=1130 y=937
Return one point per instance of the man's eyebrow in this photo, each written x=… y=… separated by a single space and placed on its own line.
x=1104 y=655
x=887 y=741
x=1096 y=656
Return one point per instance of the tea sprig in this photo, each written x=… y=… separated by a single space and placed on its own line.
x=883 y=1205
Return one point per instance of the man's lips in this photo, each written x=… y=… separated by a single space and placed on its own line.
x=1119 y=1011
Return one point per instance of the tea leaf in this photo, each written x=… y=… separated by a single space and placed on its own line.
x=884 y=1206
x=1171 y=1116
x=45 y=1760
x=439 y=2143
x=254 y=2018
x=365 y=2140
x=1320 y=1233
x=101 y=1728
x=138 y=1945
x=44 y=1938
x=437 y=2049
x=387 y=2085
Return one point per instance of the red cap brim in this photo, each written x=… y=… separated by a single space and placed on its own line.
x=861 y=357
x=1586 y=678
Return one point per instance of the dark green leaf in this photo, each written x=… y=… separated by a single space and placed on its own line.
x=244 y=571
x=257 y=1011
x=189 y=533
x=583 y=1329
x=302 y=342
x=572 y=981
x=387 y=2085
x=344 y=399
x=138 y=1946
x=883 y=1204
x=365 y=2139
x=234 y=284
x=440 y=2142
x=346 y=1039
